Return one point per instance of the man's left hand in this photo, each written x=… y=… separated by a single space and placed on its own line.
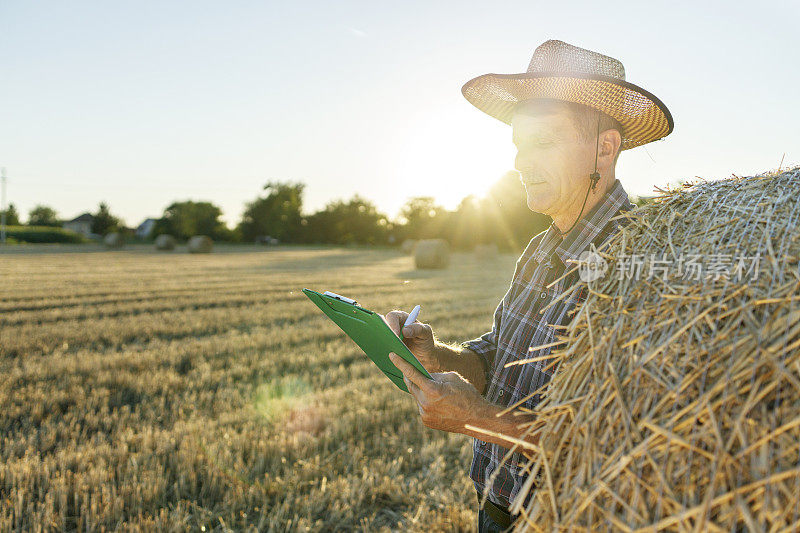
x=447 y=402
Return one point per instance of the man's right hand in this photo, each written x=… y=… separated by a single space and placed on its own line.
x=418 y=337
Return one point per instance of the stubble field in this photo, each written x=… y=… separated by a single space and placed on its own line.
x=145 y=390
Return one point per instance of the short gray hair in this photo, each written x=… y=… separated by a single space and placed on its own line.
x=583 y=117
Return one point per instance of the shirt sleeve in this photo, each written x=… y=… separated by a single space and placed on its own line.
x=486 y=345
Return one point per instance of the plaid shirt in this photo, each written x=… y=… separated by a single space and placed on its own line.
x=519 y=325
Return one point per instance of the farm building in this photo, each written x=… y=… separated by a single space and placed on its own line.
x=81 y=224
x=145 y=229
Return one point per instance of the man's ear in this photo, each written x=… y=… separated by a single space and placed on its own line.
x=610 y=142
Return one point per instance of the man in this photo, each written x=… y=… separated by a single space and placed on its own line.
x=571 y=114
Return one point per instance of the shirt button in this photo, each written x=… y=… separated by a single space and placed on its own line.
x=501 y=392
x=543 y=295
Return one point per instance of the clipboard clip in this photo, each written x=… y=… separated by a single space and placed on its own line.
x=340 y=297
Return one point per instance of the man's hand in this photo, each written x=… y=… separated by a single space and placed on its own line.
x=447 y=402
x=419 y=339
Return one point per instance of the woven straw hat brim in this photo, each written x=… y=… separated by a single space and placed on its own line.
x=644 y=117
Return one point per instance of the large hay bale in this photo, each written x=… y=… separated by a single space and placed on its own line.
x=485 y=252
x=113 y=240
x=408 y=246
x=432 y=253
x=676 y=401
x=200 y=244
x=165 y=242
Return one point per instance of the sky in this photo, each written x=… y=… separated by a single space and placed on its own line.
x=140 y=104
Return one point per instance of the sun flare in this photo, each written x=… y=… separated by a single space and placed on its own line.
x=451 y=159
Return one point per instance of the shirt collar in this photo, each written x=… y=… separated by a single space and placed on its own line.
x=593 y=227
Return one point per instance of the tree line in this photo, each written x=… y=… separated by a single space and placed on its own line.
x=43 y=216
x=501 y=217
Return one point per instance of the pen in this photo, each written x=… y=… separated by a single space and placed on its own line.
x=411 y=318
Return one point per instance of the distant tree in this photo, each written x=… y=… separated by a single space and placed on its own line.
x=423 y=218
x=353 y=221
x=501 y=217
x=517 y=224
x=12 y=216
x=104 y=222
x=185 y=219
x=468 y=227
x=277 y=215
x=42 y=215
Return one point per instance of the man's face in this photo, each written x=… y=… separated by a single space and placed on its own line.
x=553 y=163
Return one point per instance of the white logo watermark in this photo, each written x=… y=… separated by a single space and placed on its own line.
x=729 y=267
x=591 y=265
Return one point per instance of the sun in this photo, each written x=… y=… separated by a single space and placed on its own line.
x=451 y=156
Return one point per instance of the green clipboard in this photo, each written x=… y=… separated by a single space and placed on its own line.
x=370 y=333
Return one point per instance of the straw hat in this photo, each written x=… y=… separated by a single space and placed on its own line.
x=562 y=71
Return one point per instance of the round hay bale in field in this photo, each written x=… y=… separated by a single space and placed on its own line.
x=408 y=246
x=432 y=253
x=485 y=251
x=113 y=240
x=676 y=400
x=200 y=244
x=165 y=242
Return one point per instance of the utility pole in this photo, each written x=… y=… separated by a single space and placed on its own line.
x=5 y=208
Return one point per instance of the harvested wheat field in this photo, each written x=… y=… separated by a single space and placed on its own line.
x=143 y=390
x=676 y=405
